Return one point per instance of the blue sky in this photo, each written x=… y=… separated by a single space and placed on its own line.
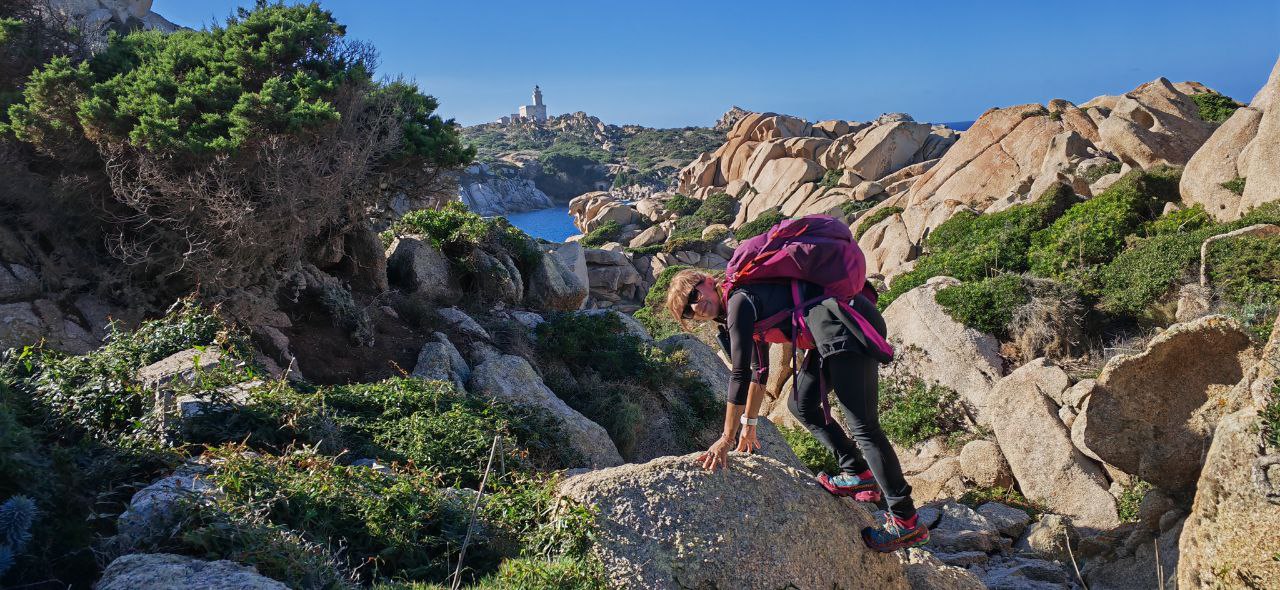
x=668 y=64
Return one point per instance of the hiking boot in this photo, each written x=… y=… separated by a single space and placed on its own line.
x=862 y=487
x=896 y=534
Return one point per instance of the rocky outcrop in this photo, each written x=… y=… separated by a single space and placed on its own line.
x=982 y=463
x=25 y=323
x=1242 y=149
x=1155 y=123
x=486 y=193
x=97 y=18
x=554 y=286
x=511 y=379
x=776 y=161
x=440 y=360
x=1228 y=539
x=669 y=524
x=1152 y=414
x=162 y=571
x=936 y=348
x=1049 y=469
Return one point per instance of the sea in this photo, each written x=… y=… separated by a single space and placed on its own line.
x=553 y=225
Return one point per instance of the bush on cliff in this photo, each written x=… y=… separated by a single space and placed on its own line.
x=600 y=369
x=874 y=218
x=457 y=231
x=986 y=305
x=210 y=142
x=765 y=220
x=1150 y=267
x=682 y=205
x=972 y=247
x=1093 y=232
x=1214 y=107
x=609 y=232
x=912 y=411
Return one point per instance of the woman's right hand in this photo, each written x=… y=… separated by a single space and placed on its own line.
x=718 y=455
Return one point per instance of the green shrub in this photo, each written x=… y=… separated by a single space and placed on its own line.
x=1093 y=174
x=557 y=574
x=1245 y=274
x=717 y=208
x=831 y=178
x=228 y=133
x=457 y=231
x=1150 y=267
x=601 y=370
x=912 y=411
x=767 y=219
x=811 y=452
x=1235 y=185
x=394 y=525
x=851 y=208
x=1270 y=418
x=1180 y=221
x=682 y=205
x=1093 y=232
x=972 y=247
x=98 y=395
x=874 y=218
x=690 y=244
x=986 y=305
x=1214 y=107
x=1130 y=500
x=609 y=232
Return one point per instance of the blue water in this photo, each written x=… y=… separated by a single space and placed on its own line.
x=960 y=125
x=552 y=225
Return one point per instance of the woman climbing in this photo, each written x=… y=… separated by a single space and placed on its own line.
x=844 y=343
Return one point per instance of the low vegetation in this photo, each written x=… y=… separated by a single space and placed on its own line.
x=1235 y=185
x=874 y=218
x=457 y=231
x=1095 y=173
x=1008 y=496
x=973 y=247
x=609 y=232
x=765 y=220
x=1214 y=107
x=78 y=439
x=811 y=452
x=912 y=411
x=831 y=178
x=986 y=305
x=1091 y=233
x=1130 y=500
x=615 y=378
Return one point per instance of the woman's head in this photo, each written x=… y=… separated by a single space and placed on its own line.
x=693 y=296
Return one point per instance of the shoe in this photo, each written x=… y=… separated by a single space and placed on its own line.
x=852 y=486
x=896 y=535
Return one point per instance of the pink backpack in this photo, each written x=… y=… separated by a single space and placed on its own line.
x=818 y=249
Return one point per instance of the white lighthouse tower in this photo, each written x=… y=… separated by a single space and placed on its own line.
x=536 y=111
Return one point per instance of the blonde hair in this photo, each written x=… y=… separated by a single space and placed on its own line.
x=678 y=293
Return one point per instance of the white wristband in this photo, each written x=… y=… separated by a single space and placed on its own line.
x=748 y=421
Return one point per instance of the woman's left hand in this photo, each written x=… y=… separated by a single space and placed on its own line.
x=747 y=440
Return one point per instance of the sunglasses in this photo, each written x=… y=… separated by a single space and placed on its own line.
x=694 y=295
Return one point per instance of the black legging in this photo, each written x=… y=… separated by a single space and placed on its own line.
x=855 y=378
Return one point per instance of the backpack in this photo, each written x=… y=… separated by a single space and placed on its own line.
x=817 y=249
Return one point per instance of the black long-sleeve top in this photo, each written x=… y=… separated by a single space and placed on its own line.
x=747 y=304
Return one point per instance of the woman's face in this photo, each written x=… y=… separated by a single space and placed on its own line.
x=704 y=301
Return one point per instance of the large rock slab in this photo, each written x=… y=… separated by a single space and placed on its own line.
x=162 y=571
x=1048 y=467
x=511 y=379
x=669 y=524
x=554 y=286
x=934 y=347
x=1228 y=540
x=1152 y=414
x=418 y=267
